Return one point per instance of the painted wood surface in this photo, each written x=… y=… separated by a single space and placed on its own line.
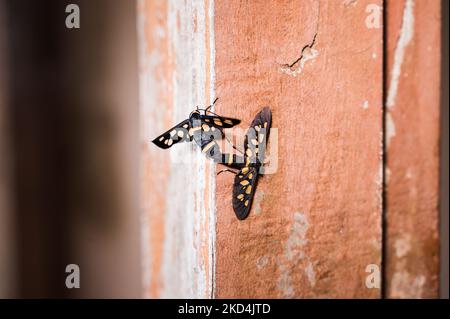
x=177 y=186
x=316 y=221
x=315 y=229
x=412 y=136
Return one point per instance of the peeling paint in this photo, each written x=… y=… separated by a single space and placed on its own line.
x=262 y=262
x=293 y=255
x=259 y=197
x=308 y=54
x=311 y=274
x=297 y=237
x=402 y=245
x=409 y=173
x=390 y=128
x=406 y=35
x=191 y=204
x=404 y=285
x=411 y=257
x=184 y=258
x=388 y=174
x=365 y=105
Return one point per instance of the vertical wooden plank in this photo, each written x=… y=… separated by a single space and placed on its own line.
x=412 y=146
x=177 y=185
x=316 y=222
x=444 y=158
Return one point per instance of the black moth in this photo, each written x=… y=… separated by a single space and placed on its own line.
x=203 y=127
x=250 y=163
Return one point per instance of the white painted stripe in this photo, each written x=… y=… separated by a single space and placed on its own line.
x=406 y=35
x=187 y=252
x=212 y=175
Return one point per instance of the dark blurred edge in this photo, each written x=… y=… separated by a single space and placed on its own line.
x=444 y=208
x=73 y=135
x=7 y=256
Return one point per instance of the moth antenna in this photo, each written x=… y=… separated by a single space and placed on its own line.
x=207 y=109
x=226 y=170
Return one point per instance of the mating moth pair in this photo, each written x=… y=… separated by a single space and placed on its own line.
x=206 y=128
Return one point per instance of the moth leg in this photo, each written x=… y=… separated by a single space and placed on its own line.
x=232 y=145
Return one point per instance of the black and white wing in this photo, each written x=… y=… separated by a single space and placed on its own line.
x=246 y=179
x=257 y=136
x=244 y=190
x=178 y=133
x=219 y=121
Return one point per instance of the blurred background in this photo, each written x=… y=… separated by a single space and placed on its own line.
x=69 y=150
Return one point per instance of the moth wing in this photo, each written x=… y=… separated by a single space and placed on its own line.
x=178 y=133
x=244 y=190
x=203 y=132
x=220 y=122
x=257 y=136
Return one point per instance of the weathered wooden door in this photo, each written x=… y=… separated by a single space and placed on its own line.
x=349 y=209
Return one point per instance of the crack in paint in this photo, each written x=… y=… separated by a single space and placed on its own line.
x=302 y=54
x=307 y=53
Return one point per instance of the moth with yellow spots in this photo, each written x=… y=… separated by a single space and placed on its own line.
x=250 y=163
x=203 y=126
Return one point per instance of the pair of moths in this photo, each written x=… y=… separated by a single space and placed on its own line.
x=205 y=128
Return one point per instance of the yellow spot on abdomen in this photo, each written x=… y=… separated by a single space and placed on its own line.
x=207 y=147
